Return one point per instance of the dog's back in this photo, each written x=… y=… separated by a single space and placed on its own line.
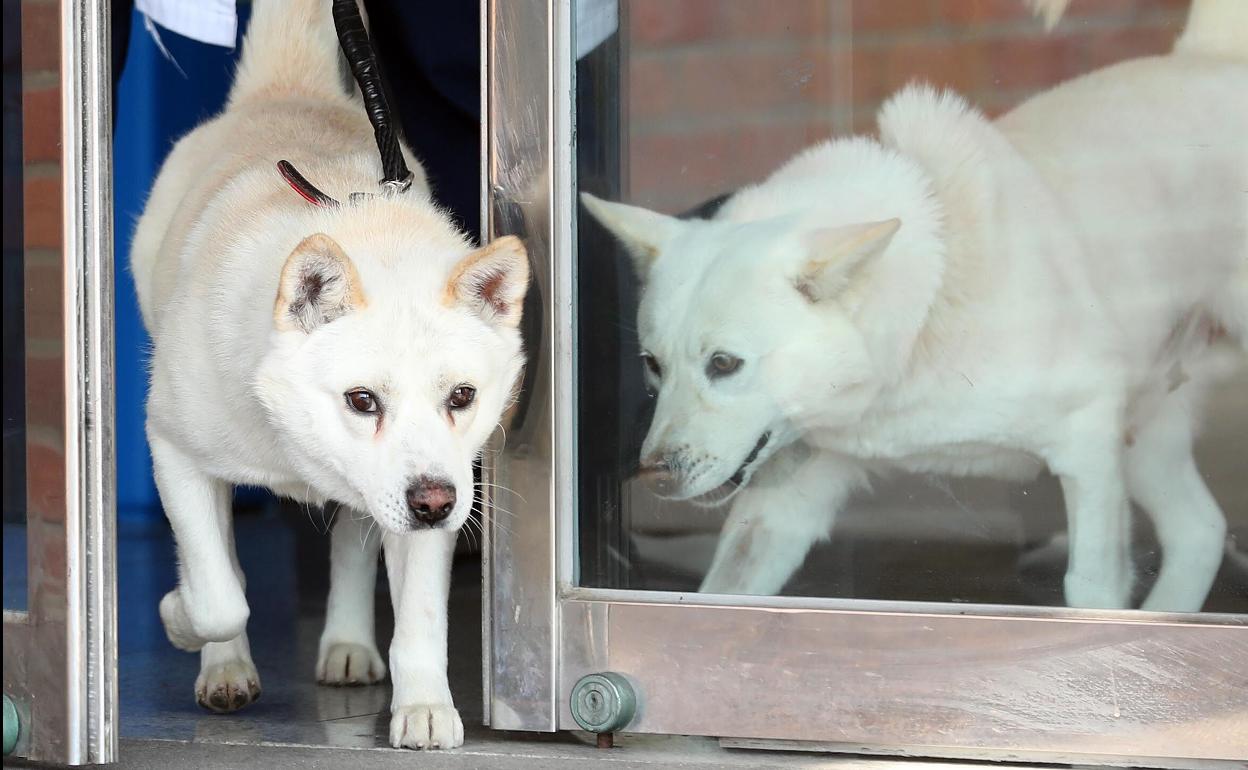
x=289 y=77
x=1150 y=161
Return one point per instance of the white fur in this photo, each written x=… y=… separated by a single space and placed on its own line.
x=248 y=384
x=1056 y=296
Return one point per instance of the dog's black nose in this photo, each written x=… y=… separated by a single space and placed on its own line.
x=430 y=500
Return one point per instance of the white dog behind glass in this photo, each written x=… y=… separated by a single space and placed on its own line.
x=1057 y=288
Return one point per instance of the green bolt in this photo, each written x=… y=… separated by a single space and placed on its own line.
x=603 y=703
x=12 y=726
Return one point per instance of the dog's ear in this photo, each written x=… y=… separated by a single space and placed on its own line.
x=492 y=281
x=834 y=253
x=319 y=283
x=640 y=230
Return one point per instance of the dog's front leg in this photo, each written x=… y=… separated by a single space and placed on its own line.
x=209 y=604
x=789 y=504
x=348 y=650
x=228 y=679
x=1088 y=462
x=422 y=712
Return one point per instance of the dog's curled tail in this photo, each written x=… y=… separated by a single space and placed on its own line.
x=290 y=50
x=1214 y=27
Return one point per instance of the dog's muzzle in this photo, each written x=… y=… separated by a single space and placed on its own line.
x=660 y=476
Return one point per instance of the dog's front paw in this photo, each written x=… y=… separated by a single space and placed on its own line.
x=1111 y=592
x=228 y=686
x=348 y=663
x=426 y=727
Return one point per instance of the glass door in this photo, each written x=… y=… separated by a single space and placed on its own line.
x=908 y=443
x=60 y=683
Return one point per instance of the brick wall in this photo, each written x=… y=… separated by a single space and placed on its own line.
x=41 y=222
x=720 y=92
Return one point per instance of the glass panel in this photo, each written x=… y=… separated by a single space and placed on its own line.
x=989 y=352
x=14 y=491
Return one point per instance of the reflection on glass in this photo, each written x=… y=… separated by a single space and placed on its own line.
x=986 y=343
x=14 y=491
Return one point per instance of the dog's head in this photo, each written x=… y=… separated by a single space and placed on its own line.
x=748 y=335
x=394 y=352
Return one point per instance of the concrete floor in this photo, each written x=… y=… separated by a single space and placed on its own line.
x=501 y=753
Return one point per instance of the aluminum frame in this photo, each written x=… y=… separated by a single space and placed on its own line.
x=919 y=679
x=60 y=656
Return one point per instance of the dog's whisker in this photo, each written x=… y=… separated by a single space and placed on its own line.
x=507 y=489
x=500 y=525
x=504 y=511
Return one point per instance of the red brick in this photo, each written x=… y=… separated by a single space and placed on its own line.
x=756 y=20
x=45 y=478
x=41 y=124
x=730 y=81
x=878 y=72
x=41 y=36
x=1031 y=62
x=658 y=24
x=673 y=172
x=722 y=92
x=886 y=16
x=1121 y=10
x=45 y=386
x=662 y=22
x=962 y=13
x=1128 y=43
x=44 y=285
x=42 y=213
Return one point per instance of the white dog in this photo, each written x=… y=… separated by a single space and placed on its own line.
x=360 y=353
x=1056 y=288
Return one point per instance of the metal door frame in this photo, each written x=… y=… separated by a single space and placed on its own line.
x=60 y=656
x=907 y=678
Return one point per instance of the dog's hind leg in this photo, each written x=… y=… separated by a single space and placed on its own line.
x=209 y=604
x=1162 y=477
x=1088 y=462
x=423 y=714
x=348 y=649
x=788 y=506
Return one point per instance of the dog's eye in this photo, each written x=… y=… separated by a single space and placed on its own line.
x=722 y=365
x=363 y=401
x=461 y=397
x=652 y=364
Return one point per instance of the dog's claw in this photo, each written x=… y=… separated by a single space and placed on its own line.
x=348 y=664
x=426 y=727
x=228 y=687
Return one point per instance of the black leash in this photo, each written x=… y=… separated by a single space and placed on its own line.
x=356 y=46
x=359 y=52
